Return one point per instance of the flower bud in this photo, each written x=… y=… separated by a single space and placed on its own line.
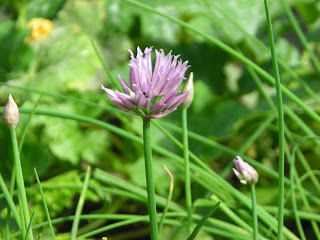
x=188 y=87
x=245 y=172
x=11 y=113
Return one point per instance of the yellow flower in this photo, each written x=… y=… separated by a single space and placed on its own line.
x=40 y=28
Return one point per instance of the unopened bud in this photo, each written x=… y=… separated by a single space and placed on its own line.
x=188 y=87
x=245 y=172
x=11 y=113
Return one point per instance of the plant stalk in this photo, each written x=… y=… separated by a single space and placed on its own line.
x=149 y=180
x=280 y=125
x=20 y=182
x=254 y=212
x=187 y=186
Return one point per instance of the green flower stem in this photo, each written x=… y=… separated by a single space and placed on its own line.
x=187 y=183
x=20 y=182
x=280 y=125
x=76 y=220
x=149 y=179
x=44 y=204
x=254 y=212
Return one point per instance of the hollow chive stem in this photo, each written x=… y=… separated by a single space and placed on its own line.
x=149 y=179
x=20 y=182
x=187 y=169
x=254 y=212
x=280 y=124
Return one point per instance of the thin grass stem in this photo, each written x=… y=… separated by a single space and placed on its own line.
x=165 y=210
x=81 y=201
x=116 y=83
x=11 y=190
x=27 y=123
x=44 y=204
x=202 y=222
x=10 y=202
x=280 y=124
x=29 y=229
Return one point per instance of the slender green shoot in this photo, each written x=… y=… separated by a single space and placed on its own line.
x=254 y=212
x=203 y=221
x=29 y=229
x=44 y=204
x=10 y=201
x=187 y=182
x=116 y=83
x=293 y=193
x=165 y=210
x=76 y=220
x=19 y=176
x=280 y=124
x=27 y=123
x=152 y=208
x=11 y=189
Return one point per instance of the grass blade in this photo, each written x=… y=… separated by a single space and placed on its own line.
x=44 y=204
x=76 y=220
x=29 y=229
x=202 y=222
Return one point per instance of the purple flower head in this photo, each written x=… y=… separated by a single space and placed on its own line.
x=151 y=94
x=245 y=172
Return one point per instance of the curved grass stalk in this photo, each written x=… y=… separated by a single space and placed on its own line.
x=76 y=219
x=165 y=210
x=10 y=202
x=44 y=204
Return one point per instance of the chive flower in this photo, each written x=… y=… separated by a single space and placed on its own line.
x=151 y=93
x=245 y=172
x=10 y=113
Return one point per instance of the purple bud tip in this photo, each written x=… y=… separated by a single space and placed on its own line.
x=245 y=172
